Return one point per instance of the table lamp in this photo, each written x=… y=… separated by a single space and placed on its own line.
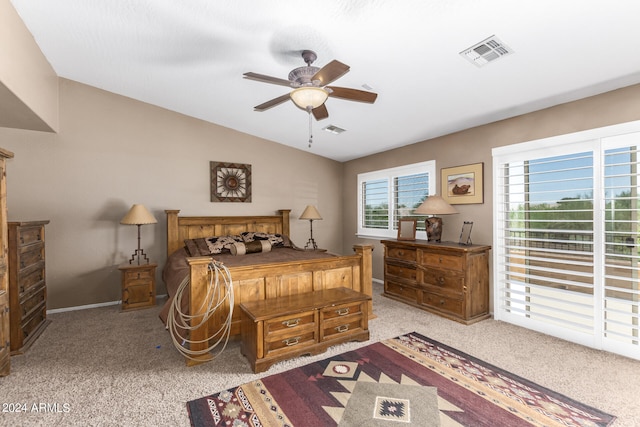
x=311 y=213
x=138 y=215
x=434 y=205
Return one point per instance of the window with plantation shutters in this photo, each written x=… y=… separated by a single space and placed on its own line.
x=386 y=195
x=566 y=237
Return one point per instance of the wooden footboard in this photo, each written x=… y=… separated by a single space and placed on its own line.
x=262 y=281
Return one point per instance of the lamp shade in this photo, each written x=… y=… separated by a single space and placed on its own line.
x=309 y=97
x=310 y=212
x=138 y=215
x=435 y=205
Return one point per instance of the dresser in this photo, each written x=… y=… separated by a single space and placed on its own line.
x=276 y=329
x=27 y=283
x=5 y=321
x=447 y=278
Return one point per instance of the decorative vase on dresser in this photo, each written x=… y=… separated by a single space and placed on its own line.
x=27 y=283
x=5 y=346
x=447 y=278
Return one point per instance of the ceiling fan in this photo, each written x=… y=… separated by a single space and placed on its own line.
x=310 y=87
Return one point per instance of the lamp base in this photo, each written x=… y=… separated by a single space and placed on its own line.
x=311 y=244
x=433 y=225
x=137 y=254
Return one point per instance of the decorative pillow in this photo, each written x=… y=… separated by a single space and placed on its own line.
x=276 y=240
x=220 y=244
x=197 y=247
x=241 y=248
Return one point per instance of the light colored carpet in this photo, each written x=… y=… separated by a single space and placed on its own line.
x=103 y=367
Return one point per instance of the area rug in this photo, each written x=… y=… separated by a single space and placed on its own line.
x=407 y=380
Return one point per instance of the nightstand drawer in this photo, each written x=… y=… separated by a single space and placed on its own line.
x=434 y=259
x=405 y=254
x=140 y=274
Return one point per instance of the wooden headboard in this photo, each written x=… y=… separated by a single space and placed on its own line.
x=180 y=228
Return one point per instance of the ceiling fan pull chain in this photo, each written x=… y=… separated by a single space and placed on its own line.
x=310 y=129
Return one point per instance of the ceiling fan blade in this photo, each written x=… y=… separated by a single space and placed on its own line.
x=272 y=103
x=320 y=112
x=330 y=72
x=353 y=94
x=267 y=79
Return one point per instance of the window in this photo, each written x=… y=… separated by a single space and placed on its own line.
x=566 y=232
x=385 y=196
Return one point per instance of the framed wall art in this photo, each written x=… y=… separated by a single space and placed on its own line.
x=230 y=182
x=463 y=184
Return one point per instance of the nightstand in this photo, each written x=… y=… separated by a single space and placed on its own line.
x=138 y=285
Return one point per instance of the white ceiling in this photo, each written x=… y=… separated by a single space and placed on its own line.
x=189 y=57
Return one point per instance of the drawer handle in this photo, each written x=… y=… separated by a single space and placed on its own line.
x=291 y=341
x=441 y=280
x=342 y=311
x=442 y=302
x=291 y=322
x=342 y=328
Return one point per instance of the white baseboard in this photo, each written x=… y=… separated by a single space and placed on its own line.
x=88 y=306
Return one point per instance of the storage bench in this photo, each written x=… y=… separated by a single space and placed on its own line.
x=281 y=328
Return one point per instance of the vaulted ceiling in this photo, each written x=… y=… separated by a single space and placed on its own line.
x=190 y=57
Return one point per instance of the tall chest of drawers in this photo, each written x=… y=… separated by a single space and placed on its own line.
x=27 y=284
x=445 y=278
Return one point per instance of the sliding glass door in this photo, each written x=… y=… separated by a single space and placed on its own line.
x=566 y=238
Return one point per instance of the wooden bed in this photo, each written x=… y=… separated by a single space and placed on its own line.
x=262 y=281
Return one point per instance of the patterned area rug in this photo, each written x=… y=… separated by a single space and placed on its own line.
x=409 y=379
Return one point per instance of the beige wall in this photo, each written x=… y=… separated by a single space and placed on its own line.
x=28 y=83
x=473 y=146
x=111 y=152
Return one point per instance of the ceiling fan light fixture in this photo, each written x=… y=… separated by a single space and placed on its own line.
x=309 y=97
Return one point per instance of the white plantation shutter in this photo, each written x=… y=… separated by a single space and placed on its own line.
x=565 y=237
x=386 y=195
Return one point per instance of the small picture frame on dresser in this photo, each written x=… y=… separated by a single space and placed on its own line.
x=407 y=229
x=465 y=234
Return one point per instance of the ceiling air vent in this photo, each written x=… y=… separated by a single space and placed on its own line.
x=333 y=129
x=486 y=51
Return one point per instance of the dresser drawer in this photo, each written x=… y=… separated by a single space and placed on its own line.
x=402 y=271
x=32 y=301
x=441 y=302
x=32 y=322
x=398 y=289
x=404 y=254
x=31 y=254
x=439 y=260
x=445 y=279
x=28 y=235
x=31 y=277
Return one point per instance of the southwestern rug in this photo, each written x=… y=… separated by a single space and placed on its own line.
x=410 y=379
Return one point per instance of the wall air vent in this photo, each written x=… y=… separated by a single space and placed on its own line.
x=486 y=51
x=333 y=129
